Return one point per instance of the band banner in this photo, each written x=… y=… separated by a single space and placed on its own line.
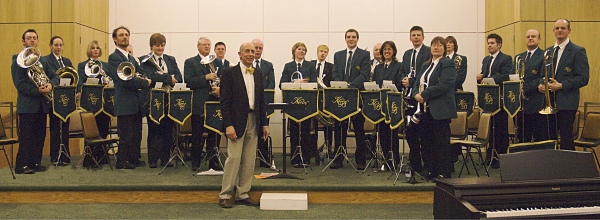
x=395 y=108
x=488 y=97
x=303 y=97
x=371 y=106
x=269 y=96
x=464 y=102
x=512 y=97
x=91 y=98
x=180 y=105
x=108 y=101
x=63 y=101
x=383 y=96
x=157 y=105
x=213 y=119
x=340 y=104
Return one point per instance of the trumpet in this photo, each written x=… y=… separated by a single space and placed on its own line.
x=93 y=68
x=29 y=59
x=548 y=63
x=158 y=70
x=211 y=58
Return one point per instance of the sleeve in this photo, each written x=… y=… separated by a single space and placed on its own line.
x=226 y=99
x=193 y=77
x=285 y=75
x=461 y=75
x=445 y=83
x=271 y=77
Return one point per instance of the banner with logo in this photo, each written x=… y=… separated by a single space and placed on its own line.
x=488 y=98
x=91 y=98
x=383 y=96
x=464 y=101
x=269 y=96
x=395 y=108
x=108 y=101
x=180 y=105
x=512 y=97
x=371 y=106
x=301 y=97
x=157 y=105
x=341 y=104
x=63 y=101
x=213 y=119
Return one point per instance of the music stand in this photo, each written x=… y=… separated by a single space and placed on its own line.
x=283 y=107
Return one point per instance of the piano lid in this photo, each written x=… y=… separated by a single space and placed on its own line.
x=547 y=165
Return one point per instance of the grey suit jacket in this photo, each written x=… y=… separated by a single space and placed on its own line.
x=308 y=71
x=130 y=95
x=439 y=94
x=573 y=72
x=359 y=67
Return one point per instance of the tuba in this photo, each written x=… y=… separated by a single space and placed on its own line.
x=211 y=58
x=68 y=73
x=548 y=63
x=29 y=59
x=158 y=70
x=93 y=68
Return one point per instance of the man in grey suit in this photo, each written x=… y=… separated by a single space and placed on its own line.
x=268 y=72
x=351 y=65
x=572 y=72
x=129 y=102
x=32 y=108
x=497 y=66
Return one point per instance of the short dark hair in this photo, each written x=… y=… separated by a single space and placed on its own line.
x=568 y=22
x=54 y=38
x=495 y=36
x=157 y=38
x=27 y=31
x=440 y=40
x=114 y=33
x=351 y=30
x=220 y=43
x=417 y=28
x=451 y=38
x=392 y=45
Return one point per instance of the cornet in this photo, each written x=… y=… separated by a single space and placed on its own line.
x=29 y=59
x=158 y=70
x=297 y=75
x=548 y=63
x=211 y=58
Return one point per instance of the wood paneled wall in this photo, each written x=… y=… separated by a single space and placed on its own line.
x=76 y=21
x=512 y=18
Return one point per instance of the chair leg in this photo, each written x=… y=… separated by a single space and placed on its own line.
x=482 y=161
x=105 y=149
x=9 y=164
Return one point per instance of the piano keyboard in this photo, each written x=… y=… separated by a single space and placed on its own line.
x=541 y=211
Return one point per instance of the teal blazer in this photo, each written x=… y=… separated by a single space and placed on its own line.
x=573 y=72
x=439 y=94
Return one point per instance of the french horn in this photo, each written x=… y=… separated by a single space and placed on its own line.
x=93 y=68
x=29 y=59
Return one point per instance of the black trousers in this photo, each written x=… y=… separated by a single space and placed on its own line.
x=435 y=137
x=564 y=125
x=300 y=136
x=499 y=134
x=388 y=138
x=532 y=127
x=341 y=132
x=418 y=156
x=32 y=134
x=56 y=138
x=130 y=136
x=160 y=140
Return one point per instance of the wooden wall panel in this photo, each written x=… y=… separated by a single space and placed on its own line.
x=104 y=40
x=18 y=11
x=532 y=10
x=583 y=34
x=64 y=11
x=521 y=28
x=70 y=36
x=499 y=13
x=574 y=10
x=93 y=14
x=507 y=33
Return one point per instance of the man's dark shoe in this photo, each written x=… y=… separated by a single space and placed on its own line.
x=24 y=170
x=360 y=166
x=139 y=163
x=247 y=201
x=125 y=165
x=38 y=168
x=336 y=165
x=225 y=203
x=152 y=165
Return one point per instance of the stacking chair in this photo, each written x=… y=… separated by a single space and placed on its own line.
x=480 y=141
x=590 y=135
x=473 y=122
x=512 y=133
x=576 y=125
x=538 y=145
x=183 y=139
x=4 y=140
x=91 y=136
x=458 y=126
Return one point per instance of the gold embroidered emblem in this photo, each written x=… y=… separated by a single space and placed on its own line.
x=93 y=99
x=340 y=101
x=157 y=104
x=568 y=69
x=218 y=114
x=300 y=100
x=488 y=99
x=463 y=104
x=534 y=72
x=375 y=103
x=181 y=104
x=64 y=100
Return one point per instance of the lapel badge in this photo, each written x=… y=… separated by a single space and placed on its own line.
x=534 y=72
x=357 y=67
x=568 y=69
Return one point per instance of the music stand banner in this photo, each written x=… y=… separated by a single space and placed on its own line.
x=91 y=98
x=488 y=97
x=340 y=104
x=213 y=119
x=512 y=97
x=63 y=101
x=180 y=105
x=301 y=97
x=464 y=102
x=269 y=96
x=157 y=105
x=384 y=98
x=395 y=108
x=371 y=106
x=108 y=101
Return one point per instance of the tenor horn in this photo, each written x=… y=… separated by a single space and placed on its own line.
x=126 y=71
x=297 y=75
x=93 y=68
x=548 y=63
x=29 y=59
x=158 y=69
x=209 y=61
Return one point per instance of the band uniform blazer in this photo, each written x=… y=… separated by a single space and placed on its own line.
x=532 y=74
x=573 y=72
x=129 y=99
x=51 y=63
x=393 y=73
x=195 y=77
x=153 y=73
x=266 y=68
x=461 y=73
x=29 y=99
x=360 y=68
x=501 y=68
x=307 y=69
x=327 y=72
x=439 y=94
x=234 y=100
x=83 y=77
x=423 y=55
x=225 y=64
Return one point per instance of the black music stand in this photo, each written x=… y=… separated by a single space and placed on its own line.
x=283 y=107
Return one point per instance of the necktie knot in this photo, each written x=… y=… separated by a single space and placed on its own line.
x=299 y=66
x=60 y=62
x=386 y=65
x=250 y=70
x=256 y=64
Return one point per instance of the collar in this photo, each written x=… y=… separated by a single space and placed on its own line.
x=532 y=51
x=243 y=68
x=564 y=44
x=125 y=53
x=353 y=50
x=259 y=60
x=57 y=57
x=156 y=57
x=202 y=57
x=450 y=55
x=418 y=49
x=495 y=54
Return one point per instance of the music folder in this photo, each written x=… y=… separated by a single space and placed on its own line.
x=158 y=85
x=290 y=85
x=92 y=81
x=309 y=86
x=371 y=86
x=339 y=84
x=391 y=87
x=180 y=86
x=65 y=81
x=489 y=81
x=514 y=77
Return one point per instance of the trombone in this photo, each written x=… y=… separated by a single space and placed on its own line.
x=158 y=70
x=548 y=63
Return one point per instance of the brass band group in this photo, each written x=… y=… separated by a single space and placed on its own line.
x=427 y=76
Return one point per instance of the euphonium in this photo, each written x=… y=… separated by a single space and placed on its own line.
x=29 y=59
x=158 y=70
x=210 y=58
x=70 y=73
x=93 y=68
x=548 y=63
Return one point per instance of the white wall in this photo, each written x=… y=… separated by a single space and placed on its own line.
x=281 y=23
